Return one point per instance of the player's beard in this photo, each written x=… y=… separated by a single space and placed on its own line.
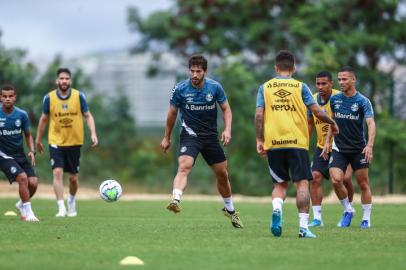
x=197 y=81
x=64 y=87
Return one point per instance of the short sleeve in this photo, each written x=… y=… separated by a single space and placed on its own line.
x=307 y=95
x=83 y=103
x=260 y=97
x=221 y=95
x=367 y=107
x=45 y=105
x=25 y=122
x=175 y=97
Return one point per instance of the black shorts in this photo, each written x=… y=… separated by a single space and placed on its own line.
x=319 y=164
x=14 y=165
x=66 y=157
x=281 y=161
x=208 y=146
x=341 y=160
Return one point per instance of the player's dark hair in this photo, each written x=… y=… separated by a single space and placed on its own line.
x=198 y=60
x=285 y=60
x=63 y=70
x=9 y=87
x=347 y=69
x=325 y=74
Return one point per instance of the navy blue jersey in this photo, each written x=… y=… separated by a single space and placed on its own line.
x=12 y=127
x=349 y=113
x=198 y=107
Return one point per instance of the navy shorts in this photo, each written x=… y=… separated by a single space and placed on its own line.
x=66 y=157
x=283 y=161
x=209 y=147
x=341 y=160
x=14 y=165
x=319 y=164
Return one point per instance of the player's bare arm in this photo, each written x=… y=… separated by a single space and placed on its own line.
x=322 y=115
x=30 y=144
x=92 y=127
x=368 y=150
x=228 y=118
x=310 y=125
x=327 y=145
x=259 y=128
x=43 y=121
x=170 y=122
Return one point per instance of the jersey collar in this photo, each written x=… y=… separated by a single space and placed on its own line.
x=58 y=93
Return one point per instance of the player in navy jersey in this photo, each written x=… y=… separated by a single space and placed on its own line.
x=14 y=124
x=196 y=100
x=350 y=108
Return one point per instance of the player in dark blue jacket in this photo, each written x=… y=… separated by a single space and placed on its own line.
x=196 y=99
x=350 y=109
x=14 y=125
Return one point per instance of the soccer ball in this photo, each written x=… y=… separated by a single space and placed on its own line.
x=110 y=190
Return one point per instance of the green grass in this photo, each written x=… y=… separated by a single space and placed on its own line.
x=197 y=238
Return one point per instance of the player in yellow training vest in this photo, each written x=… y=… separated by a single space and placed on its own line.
x=65 y=109
x=282 y=135
x=324 y=84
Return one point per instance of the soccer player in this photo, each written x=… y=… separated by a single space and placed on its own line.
x=282 y=135
x=65 y=109
x=196 y=98
x=13 y=161
x=350 y=108
x=324 y=84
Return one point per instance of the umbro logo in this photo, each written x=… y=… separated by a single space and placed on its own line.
x=325 y=128
x=282 y=93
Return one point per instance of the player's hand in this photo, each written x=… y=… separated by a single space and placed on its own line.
x=226 y=137
x=368 y=153
x=94 y=139
x=165 y=144
x=39 y=147
x=32 y=156
x=334 y=128
x=260 y=148
x=326 y=151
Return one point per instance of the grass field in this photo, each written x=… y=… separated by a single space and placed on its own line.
x=197 y=238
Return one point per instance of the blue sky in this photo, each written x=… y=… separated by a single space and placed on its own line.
x=72 y=28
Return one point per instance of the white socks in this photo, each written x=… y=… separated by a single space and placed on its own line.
x=61 y=205
x=177 y=194
x=303 y=220
x=27 y=209
x=367 y=212
x=71 y=202
x=277 y=203
x=228 y=203
x=347 y=205
x=317 y=212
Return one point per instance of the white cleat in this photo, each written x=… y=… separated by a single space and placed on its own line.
x=21 y=209
x=61 y=213
x=72 y=213
x=30 y=218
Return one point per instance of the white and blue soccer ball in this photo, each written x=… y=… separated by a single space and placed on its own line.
x=110 y=190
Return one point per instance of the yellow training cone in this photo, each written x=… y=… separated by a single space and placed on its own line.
x=10 y=213
x=131 y=260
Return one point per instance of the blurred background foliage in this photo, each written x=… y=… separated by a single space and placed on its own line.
x=240 y=37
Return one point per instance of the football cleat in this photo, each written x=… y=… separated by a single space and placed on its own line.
x=345 y=219
x=61 y=213
x=235 y=219
x=306 y=233
x=276 y=225
x=316 y=223
x=365 y=224
x=30 y=218
x=174 y=206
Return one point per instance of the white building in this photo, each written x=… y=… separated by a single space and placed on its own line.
x=121 y=71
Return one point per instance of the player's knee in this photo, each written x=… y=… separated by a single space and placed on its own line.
x=22 y=179
x=73 y=178
x=33 y=182
x=317 y=178
x=364 y=185
x=184 y=168
x=222 y=175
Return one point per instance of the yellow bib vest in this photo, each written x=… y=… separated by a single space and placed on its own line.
x=285 y=122
x=66 y=120
x=322 y=127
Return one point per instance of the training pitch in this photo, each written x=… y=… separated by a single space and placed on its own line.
x=199 y=237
